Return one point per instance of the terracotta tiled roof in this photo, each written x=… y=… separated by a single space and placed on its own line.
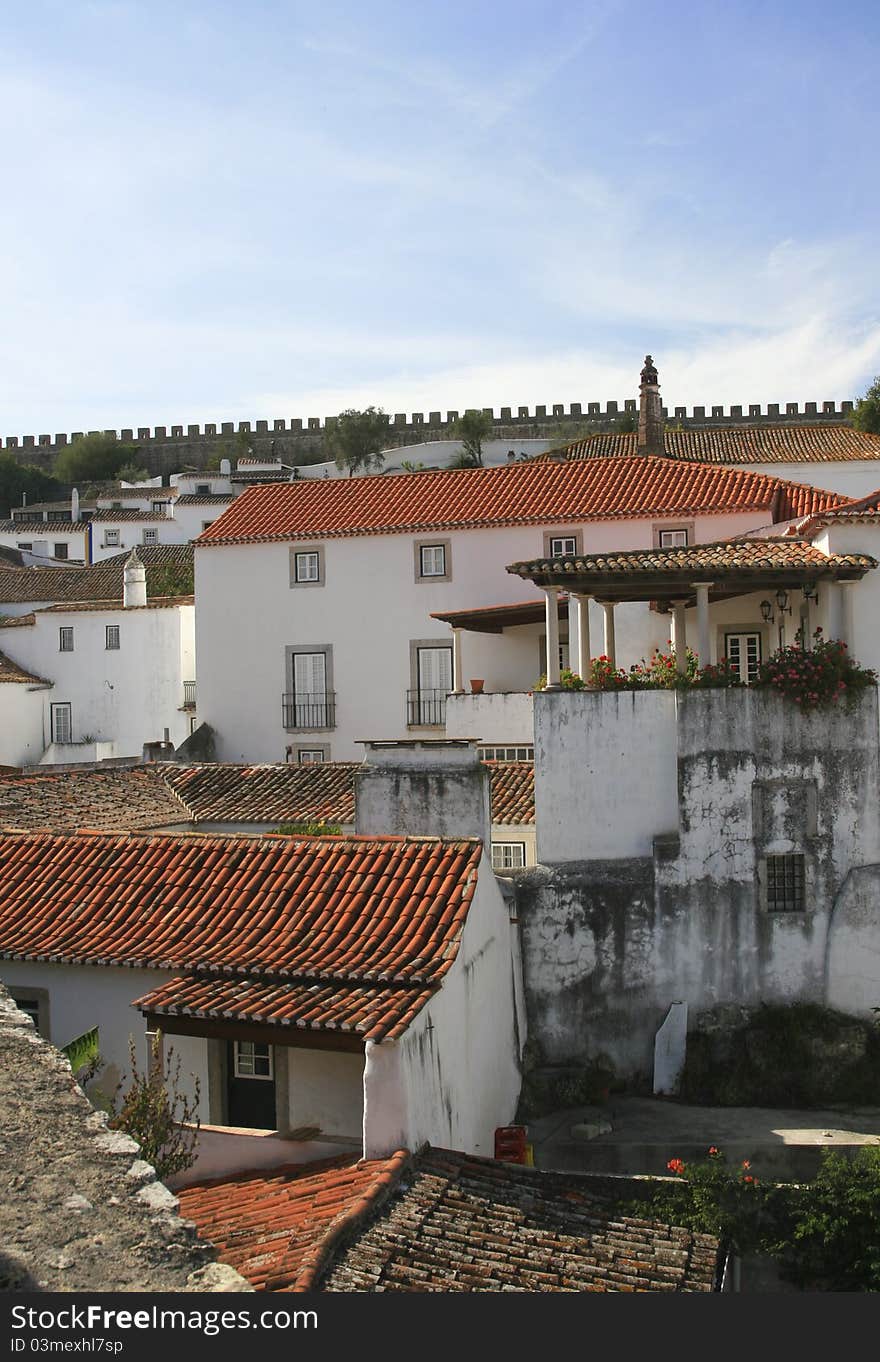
x=121 y=513
x=205 y=499
x=743 y=555
x=857 y=511
x=530 y=493
x=17 y=621
x=153 y=603
x=101 y=581
x=139 y=494
x=58 y=801
x=27 y=529
x=273 y=1226
x=280 y=793
x=742 y=445
x=442 y=1221
x=163 y=793
x=11 y=671
x=513 y=791
x=458 y=1223
x=370 y=916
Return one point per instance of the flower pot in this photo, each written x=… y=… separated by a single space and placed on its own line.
x=476 y=687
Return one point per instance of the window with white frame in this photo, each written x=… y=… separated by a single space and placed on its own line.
x=26 y=545
x=562 y=546
x=432 y=560
x=62 y=723
x=508 y=855
x=65 y=638
x=673 y=539
x=309 y=699
x=253 y=1060
x=111 y=539
x=59 y=550
x=151 y=536
x=310 y=756
x=512 y=753
x=306 y=567
x=111 y=637
x=743 y=652
x=203 y=489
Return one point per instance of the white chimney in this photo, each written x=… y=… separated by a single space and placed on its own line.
x=74 y=504
x=225 y=468
x=134 y=582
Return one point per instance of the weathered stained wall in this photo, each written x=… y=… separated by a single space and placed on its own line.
x=454 y=1076
x=609 y=943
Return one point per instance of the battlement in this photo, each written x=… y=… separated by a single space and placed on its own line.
x=166 y=449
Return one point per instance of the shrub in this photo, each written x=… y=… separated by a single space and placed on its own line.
x=568 y=680
x=818 y=677
x=153 y=1110
x=833 y=1243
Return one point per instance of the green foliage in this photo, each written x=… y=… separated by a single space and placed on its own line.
x=661 y=673
x=409 y=467
x=170 y=579
x=99 y=456
x=17 y=478
x=568 y=680
x=316 y=829
x=866 y=414
x=472 y=429
x=548 y=1089
x=784 y=1055
x=132 y=473
x=154 y=1111
x=833 y=1243
x=627 y=421
x=356 y=440
x=818 y=677
x=823 y=1233
x=82 y=1051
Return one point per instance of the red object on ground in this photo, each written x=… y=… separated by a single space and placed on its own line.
x=510 y=1144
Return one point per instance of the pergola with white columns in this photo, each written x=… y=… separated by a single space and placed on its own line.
x=680 y=579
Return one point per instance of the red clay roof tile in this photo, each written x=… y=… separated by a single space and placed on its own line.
x=530 y=493
x=742 y=445
x=376 y=922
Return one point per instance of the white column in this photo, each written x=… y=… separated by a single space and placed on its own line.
x=703 y=633
x=582 y=618
x=552 y=616
x=836 y=622
x=608 y=607
x=457 y=670
x=846 y=614
x=679 y=636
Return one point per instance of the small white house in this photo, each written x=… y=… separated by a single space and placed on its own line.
x=337 y=983
x=121 y=674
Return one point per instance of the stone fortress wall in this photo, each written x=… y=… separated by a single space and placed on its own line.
x=167 y=449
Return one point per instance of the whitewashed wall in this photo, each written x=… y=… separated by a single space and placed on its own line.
x=24 y=722
x=454 y=1076
x=370 y=609
x=127 y=695
x=326 y=1089
x=43 y=542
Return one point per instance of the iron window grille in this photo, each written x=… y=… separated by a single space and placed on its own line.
x=786 y=884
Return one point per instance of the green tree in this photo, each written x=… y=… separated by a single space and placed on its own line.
x=170 y=579
x=866 y=415
x=17 y=478
x=472 y=429
x=355 y=442
x=132 y=473
x=95 y=457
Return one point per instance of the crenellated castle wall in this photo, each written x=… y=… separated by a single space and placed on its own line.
x=166 y=449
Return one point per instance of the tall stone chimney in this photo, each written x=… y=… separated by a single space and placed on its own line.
x=134 y=582
x=650 y=412
x=424 y=787
x=74 y=505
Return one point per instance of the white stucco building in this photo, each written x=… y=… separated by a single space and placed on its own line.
x=110 y=676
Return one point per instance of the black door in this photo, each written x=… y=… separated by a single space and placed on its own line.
x=251 y=1085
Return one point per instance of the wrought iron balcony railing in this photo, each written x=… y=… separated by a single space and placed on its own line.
x=189 y=694
x=309 y=711
x=426 y=708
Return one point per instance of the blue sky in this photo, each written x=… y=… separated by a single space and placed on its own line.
x=220 y=211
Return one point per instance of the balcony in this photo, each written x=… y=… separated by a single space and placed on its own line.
x=189 y=694
x=426 y=708
x=309 y=711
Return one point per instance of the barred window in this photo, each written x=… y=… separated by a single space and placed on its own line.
x=524 y=753
x=785 y=884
